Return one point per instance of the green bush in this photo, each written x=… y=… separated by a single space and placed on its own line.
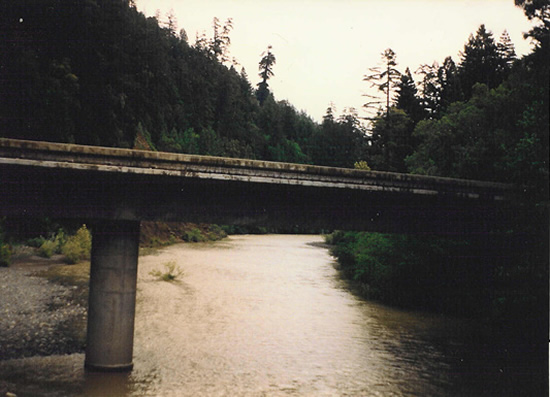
x=5 y=249
x=47 y=249
x=171 y=273
x=60 y=239
x=215 y=232
x=79 y=246
x=36 y=242
x=5 y=255
x=413 y=271
x=194 y=236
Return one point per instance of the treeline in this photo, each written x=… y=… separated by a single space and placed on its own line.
x=485 y=117
x=99 y=72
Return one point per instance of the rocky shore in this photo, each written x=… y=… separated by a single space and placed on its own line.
x=38 y=317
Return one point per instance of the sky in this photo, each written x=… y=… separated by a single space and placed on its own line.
x=324 y=48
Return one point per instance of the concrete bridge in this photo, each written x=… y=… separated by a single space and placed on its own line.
x=114 y=189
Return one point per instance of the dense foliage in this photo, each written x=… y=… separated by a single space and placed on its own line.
x=494 y=276
x=414 y=272
x=104 y=74
x=485 y=118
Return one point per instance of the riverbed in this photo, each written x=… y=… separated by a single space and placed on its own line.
x=270 y=316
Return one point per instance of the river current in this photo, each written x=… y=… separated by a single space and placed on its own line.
x=269 y=316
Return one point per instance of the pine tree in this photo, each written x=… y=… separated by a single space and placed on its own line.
x=430 y=88
x=407 y=97
x=384 y=79
x=266 y=72
x=448 y=79
x=507 y=55
x=480 y=62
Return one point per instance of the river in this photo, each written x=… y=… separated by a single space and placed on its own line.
x=269 y=316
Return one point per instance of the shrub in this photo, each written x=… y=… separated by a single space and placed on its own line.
x=215 y=232
x=171 y=273
x=47 y=248
x=59 y=240
x=78 y=247
x=194 y=236
x=5 y=249
x=36 y=242
x=361 y=165
x=5 y=255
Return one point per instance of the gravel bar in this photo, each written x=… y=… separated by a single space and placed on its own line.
x=36 y=316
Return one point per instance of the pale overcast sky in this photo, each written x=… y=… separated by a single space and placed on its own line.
x=325 y=47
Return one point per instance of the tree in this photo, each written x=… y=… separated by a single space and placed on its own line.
x=481 y=62
x=449 y=83
x=340 y=141
x=383 y=79
x=539 y=10
x=219 y=44
x=407 y=98
x=391 y=141
x=266 y=65
x=430 y=88
x=477 y=139
x=506 y=50
x=535 y=9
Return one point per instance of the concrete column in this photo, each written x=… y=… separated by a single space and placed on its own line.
x=112 y=300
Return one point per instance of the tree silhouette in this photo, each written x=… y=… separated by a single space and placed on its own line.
x=266 y=72
x=384 y=79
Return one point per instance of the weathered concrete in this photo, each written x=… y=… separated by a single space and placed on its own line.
x=112 y=301
x=73 y=181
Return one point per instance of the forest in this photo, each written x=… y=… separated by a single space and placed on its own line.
x=105 y=74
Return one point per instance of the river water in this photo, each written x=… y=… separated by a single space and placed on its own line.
x=269 y=316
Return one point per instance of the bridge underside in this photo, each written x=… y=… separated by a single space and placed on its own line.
x=95 y=195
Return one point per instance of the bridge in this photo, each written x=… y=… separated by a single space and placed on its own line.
x=114 y=189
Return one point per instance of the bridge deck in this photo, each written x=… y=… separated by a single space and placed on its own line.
x=65 y=180
x=116 y=160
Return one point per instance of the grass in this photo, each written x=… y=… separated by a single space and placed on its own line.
x=171 y=273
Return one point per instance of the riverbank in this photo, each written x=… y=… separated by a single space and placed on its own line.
x=43 y=310
x=39 y=317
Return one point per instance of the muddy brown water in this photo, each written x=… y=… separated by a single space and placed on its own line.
x=269 y=316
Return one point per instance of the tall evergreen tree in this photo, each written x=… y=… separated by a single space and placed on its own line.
x=449 y=83
x=266 y=65
x=391 y=141
x=430 y=89
x=407 y=97
x=219 y=44
x=480 y=62
x=506 y=50
x=385 y=79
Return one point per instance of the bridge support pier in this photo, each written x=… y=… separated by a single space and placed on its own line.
x=112 y=301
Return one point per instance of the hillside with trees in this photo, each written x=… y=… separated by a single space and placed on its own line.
x=104 y=74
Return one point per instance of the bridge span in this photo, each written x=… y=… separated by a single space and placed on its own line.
x=114 y=189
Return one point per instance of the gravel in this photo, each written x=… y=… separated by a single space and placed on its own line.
x=37 y=317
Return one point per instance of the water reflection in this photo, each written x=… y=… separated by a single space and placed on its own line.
x=97 y=384
x=268 y=315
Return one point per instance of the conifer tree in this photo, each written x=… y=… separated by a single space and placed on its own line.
x=384 y=79
x=407 y=97
x=266 y=72
x=480 y=62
